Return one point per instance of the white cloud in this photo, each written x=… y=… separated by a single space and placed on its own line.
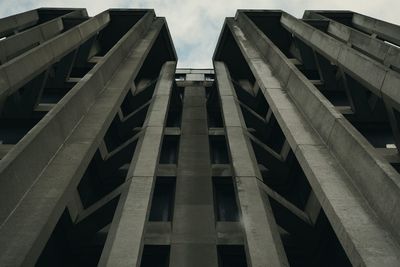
x=195 y=24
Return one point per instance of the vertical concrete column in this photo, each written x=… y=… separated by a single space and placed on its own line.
x=263 y=244
x=316 y=131
x=27 y=228
x=193 y=241
x=125 y=240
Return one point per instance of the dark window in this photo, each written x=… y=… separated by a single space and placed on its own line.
x=218 y=150
x=155 y=256
x=174 y=116
x=169 y=151
x=214 y=115
x=13 y=130
x=163 y=199
x=225 y=200
x=64 y=248
x=231 y=256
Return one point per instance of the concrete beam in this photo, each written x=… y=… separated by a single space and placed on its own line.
x=17 y=22
x=23 y=162
x=378 y=78
x=330 y=124
x=17 y=72
x=193 y=240
x=18 y=44
x=307 y=119
x=385 y=53
x=125 y=239
x=262 y=242
x=383 y=29
x=85 y=115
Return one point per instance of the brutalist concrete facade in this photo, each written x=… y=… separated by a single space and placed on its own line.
x=284 y=154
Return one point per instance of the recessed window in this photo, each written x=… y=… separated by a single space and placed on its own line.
x=174 y=116
x=155 y=256
x=218 y=150
x=163 y=199
x=169 y=150
x=224 y=198
x=214 y=116
x=231 y=256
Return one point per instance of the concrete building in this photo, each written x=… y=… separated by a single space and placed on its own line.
x=284 y=154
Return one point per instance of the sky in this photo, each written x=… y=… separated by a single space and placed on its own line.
x=196 y=24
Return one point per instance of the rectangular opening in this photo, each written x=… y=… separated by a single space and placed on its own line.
x=218 y=149
x=214 y=115
x=163 y=200
x=231 y=256
x=67 y=247
x=169 y=150
x=155 y=256
x=226 y=208
x=174 y=117
x=80 y=71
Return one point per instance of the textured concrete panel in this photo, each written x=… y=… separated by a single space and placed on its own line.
x=263 y=244
x=125 y=241
x=79 y=147
x=323 y=118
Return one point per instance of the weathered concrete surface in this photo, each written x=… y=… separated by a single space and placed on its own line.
x=311 y=100
x=340 y=132
x=19 y=43
x=193 y=240
x=385 y=53
x=124 y=243
x=307 y=120
x=44 y=168
x=22 y=240
x=386 y=30
x=16 y=22
x=373 y=75
x=23 y=162
x=22 y=69
x=263 y=244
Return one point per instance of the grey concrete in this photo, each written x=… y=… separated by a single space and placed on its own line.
x=352 y=183
x=323 y=120
x=17 y=44
x=22 y=241
x=385 y=53
x=383 y=29
x=19 y=71
x=263 y=244
x=372 y=74
x=158 y=233
x=193 y=240
x=125 y=240
x=52 y=131
x=17 y=22
x=304 y=116
x=381 y=172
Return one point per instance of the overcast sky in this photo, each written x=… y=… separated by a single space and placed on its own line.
x=196 y=24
